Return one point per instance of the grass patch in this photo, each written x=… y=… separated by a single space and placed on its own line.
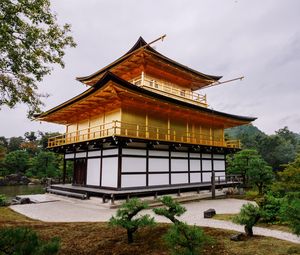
x=275 y=226
x=99 y=238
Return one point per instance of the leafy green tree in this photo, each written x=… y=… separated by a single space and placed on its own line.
x=289 y=179
x=45 y=164
x=43 y=141
x=185 y=240
x=171 y=209
x=259 y=174
x=16 y=162
x=181 y=238
x=24 y=241
x=15 y=143
x=248 y=216
x=240 y=163
x=127 y=218
x=30 y=40
x=277 y=151
x=270 y=208
x=291 y=214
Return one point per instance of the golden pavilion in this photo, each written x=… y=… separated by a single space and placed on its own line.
x=141 y=126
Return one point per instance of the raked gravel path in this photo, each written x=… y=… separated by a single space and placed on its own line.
x=62 y=209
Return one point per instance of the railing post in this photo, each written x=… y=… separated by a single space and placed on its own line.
x=213 y=185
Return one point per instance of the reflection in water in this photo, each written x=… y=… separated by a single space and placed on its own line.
x=12 y=191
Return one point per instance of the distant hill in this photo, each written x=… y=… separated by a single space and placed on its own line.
x=248 y=134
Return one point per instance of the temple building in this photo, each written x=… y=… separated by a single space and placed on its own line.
x=142 y=126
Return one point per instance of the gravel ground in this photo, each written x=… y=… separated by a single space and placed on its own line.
x=74 y=210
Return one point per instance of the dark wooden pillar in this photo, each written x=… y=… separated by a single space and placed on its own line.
x=213 y=178
x=64 y=171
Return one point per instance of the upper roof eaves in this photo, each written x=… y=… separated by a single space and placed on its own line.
x=142 y=44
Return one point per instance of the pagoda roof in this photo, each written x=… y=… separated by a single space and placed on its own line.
x=110 y=77
x=141 y=45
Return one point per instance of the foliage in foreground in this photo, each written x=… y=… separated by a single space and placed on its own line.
x=248 y=216
x=181 y=238
x=127 y=218
x=2 y=200
x=270 y=208
x=291 y=214
x=24 y=241
x=171 y=209
x=252 y=167
x=31 y=39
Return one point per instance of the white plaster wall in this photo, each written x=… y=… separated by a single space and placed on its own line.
x=179 y=178
x=179 y=165
x=205 y=155
x=133 y=164
x=110 y=172
x=206 y=177
x=110 y=152
x=195 y=177
x=206 y=165
x=195 y=155
x=195 y=165
x=219 y=165
x=70 y=155
x=134 y=152
x=222 y=174
x=81 y=155
x=220 y=156
x=133 y=180
x=94 y=153
x=179 y=154
x=93 y=172
x=158 y=164
x=158 y=179
x=158 y=153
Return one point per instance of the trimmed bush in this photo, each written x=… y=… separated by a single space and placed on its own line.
x=127 y=218
x=184 y=239
x=270 y=207
x=248 y=216
x=171 y=210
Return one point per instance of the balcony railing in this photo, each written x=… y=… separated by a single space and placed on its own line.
x=161 y=88
x=139 y=131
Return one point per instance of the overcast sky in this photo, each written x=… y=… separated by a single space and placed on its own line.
x=256 y=39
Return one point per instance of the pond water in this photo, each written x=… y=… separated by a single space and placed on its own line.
x=12 y=191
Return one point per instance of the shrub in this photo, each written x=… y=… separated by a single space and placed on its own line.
x=3 y=200
x=291 y=214
x=172 y=208
x=270 y=207
x=184 y=239
x=248 y=216
x=251 y=194
x=126 y=217
x=24 y=241
x=181 y=238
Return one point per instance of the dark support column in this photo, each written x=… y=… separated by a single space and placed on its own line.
x=119 y=165
x=64 y=171
x=147 y=167
x=213 y=179
x=170 y=166
x=213 y=186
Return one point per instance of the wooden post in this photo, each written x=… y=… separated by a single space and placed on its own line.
x=213 y=185
x=64 y=171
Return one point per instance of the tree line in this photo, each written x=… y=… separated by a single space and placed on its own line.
x=28 y=155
